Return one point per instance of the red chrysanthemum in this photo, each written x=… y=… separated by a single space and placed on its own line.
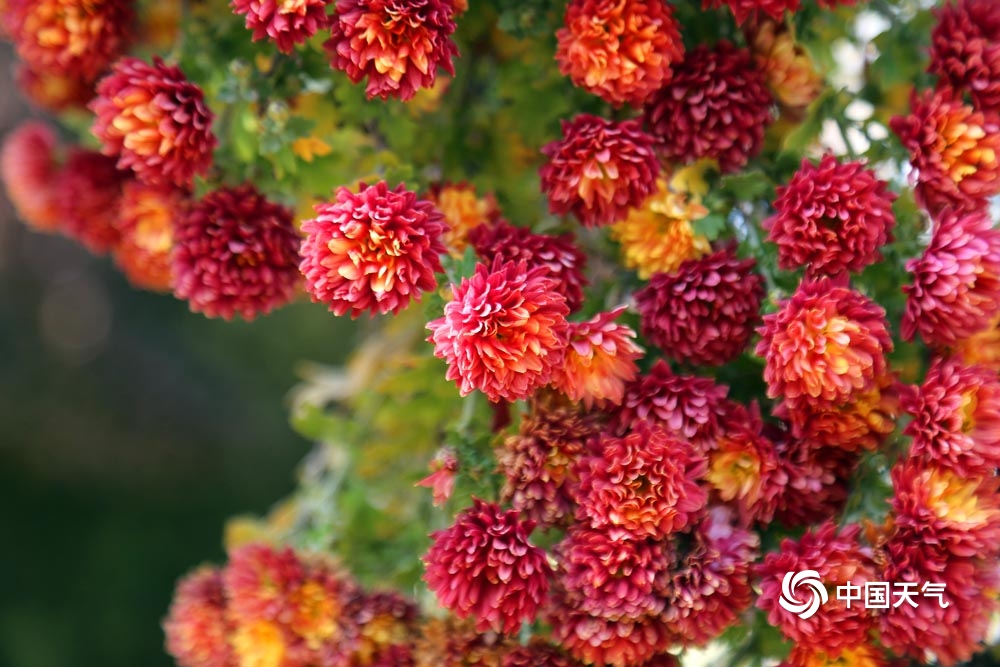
x=831 y=217
x=744 y=9
x=504 y=332
x=147 y=219
x=599 y=169
x=374 y=251
x=965 y=49
x=954 y=149
x=54 y=92
x=711 y=587
x=818 y=481
x=236 y=253
x=384 y=627
x=537 y=653
x=287 y=22
x=28 y=169
x=71 y=38
x=706 y=311
x=260 y=582
x=154 y=121
x=717 y=105
x=397 y=44
x=689 y=406
x=464 y=210
x=837 y=558
x=196 y=627
x=484 y=567
x=956 y=282
x=826 y=344
x=558 y=255
x=89 y=188
x=645 y=482
x=620 y=51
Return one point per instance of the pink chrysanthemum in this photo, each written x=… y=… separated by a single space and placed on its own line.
x=826 y=344
x=89 y=188
x=965 y=49
x=484 y=567
x=831 y=217
x=441 y=481
x=706 y=311
x=28 y=169
x=744 y=9
x=287 y=22
x=397 y=44
x=154 y=121
x=558 y=255
x=711 y=587
x=599 y=169
x=717 y=105
x=374 y=251
x=236 y=253
x=620 y=51
x=196 y=627
x=818 y=481
x=956 y=282
x=149 y=214
x=838 y=558
x=954 y=149
x=504 y=332
x=645 y=482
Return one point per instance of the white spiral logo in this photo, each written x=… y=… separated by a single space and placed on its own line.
x=791 y=603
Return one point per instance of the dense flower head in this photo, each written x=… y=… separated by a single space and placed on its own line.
x=154 y=121
x=862 y=655
x=464 y=210
x=449 y=642
x=29 y=170
x=956 y=282
x=717 y=105
x=260 y=581
x=196 y=626
x=789 y=70
x=965 y=49
x=383 y=627
x=706 y=311
x=397 y=44
x=658 y=236
x=537 y=653
x=744 y=9
x=53 y=91
x=831 y=217
x=711 y=586
x=599 y=169
x=838 y=558
x=287 y=22
x=826 y=344
x=262 y=644
x=954 y=149
x=620 y=51
x=374 y=251
x=818 y=481
x=146 y=222
x=645 y=482
x=600 y=360
x=503 y=332
x=484 y=567
x=319 y=606
x=236 y=253
x=559 y=255
x=89 y=189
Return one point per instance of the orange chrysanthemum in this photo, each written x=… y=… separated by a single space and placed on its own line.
x=982 y=348
x=463 y=210
x=196 y=627
x=789 y=70
x=147 y=219
x=54 y=91
x=862 y=655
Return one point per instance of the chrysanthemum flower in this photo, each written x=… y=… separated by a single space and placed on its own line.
x=744 y=9
x=837 y=558
x=965 y=49
x=287 y=22
x=706 y=311
x=954 y=149
x=448 y=642
x=600 y=359
x=504 y=332
x=318 y=606
x=236 y=253
x=537 y=653
x=826 y=344
x=599 y=169
x=619 y=51
x=711 y=587
x=818 y=481
x=89 y=189
x=789 y=70
x=155 y=121
x=260 y=582
x=397 y=44
x=28 y=169
x=956 y=282
x=54 y=92
x=146 y=221
x=645 y=482
x=689 y=406
x=71 y=38
x=384 y=625
x=658 y=235
x=261 y=644
x=559 y=255
x=442 y=477
x=716 y=106
x=982 y=348
x=374 y=251
x=831 y=217
x=464 y=210
x=862 y=655
x=484 y=567
x=196 y=627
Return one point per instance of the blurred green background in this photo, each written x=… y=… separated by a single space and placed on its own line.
x=130 y=430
